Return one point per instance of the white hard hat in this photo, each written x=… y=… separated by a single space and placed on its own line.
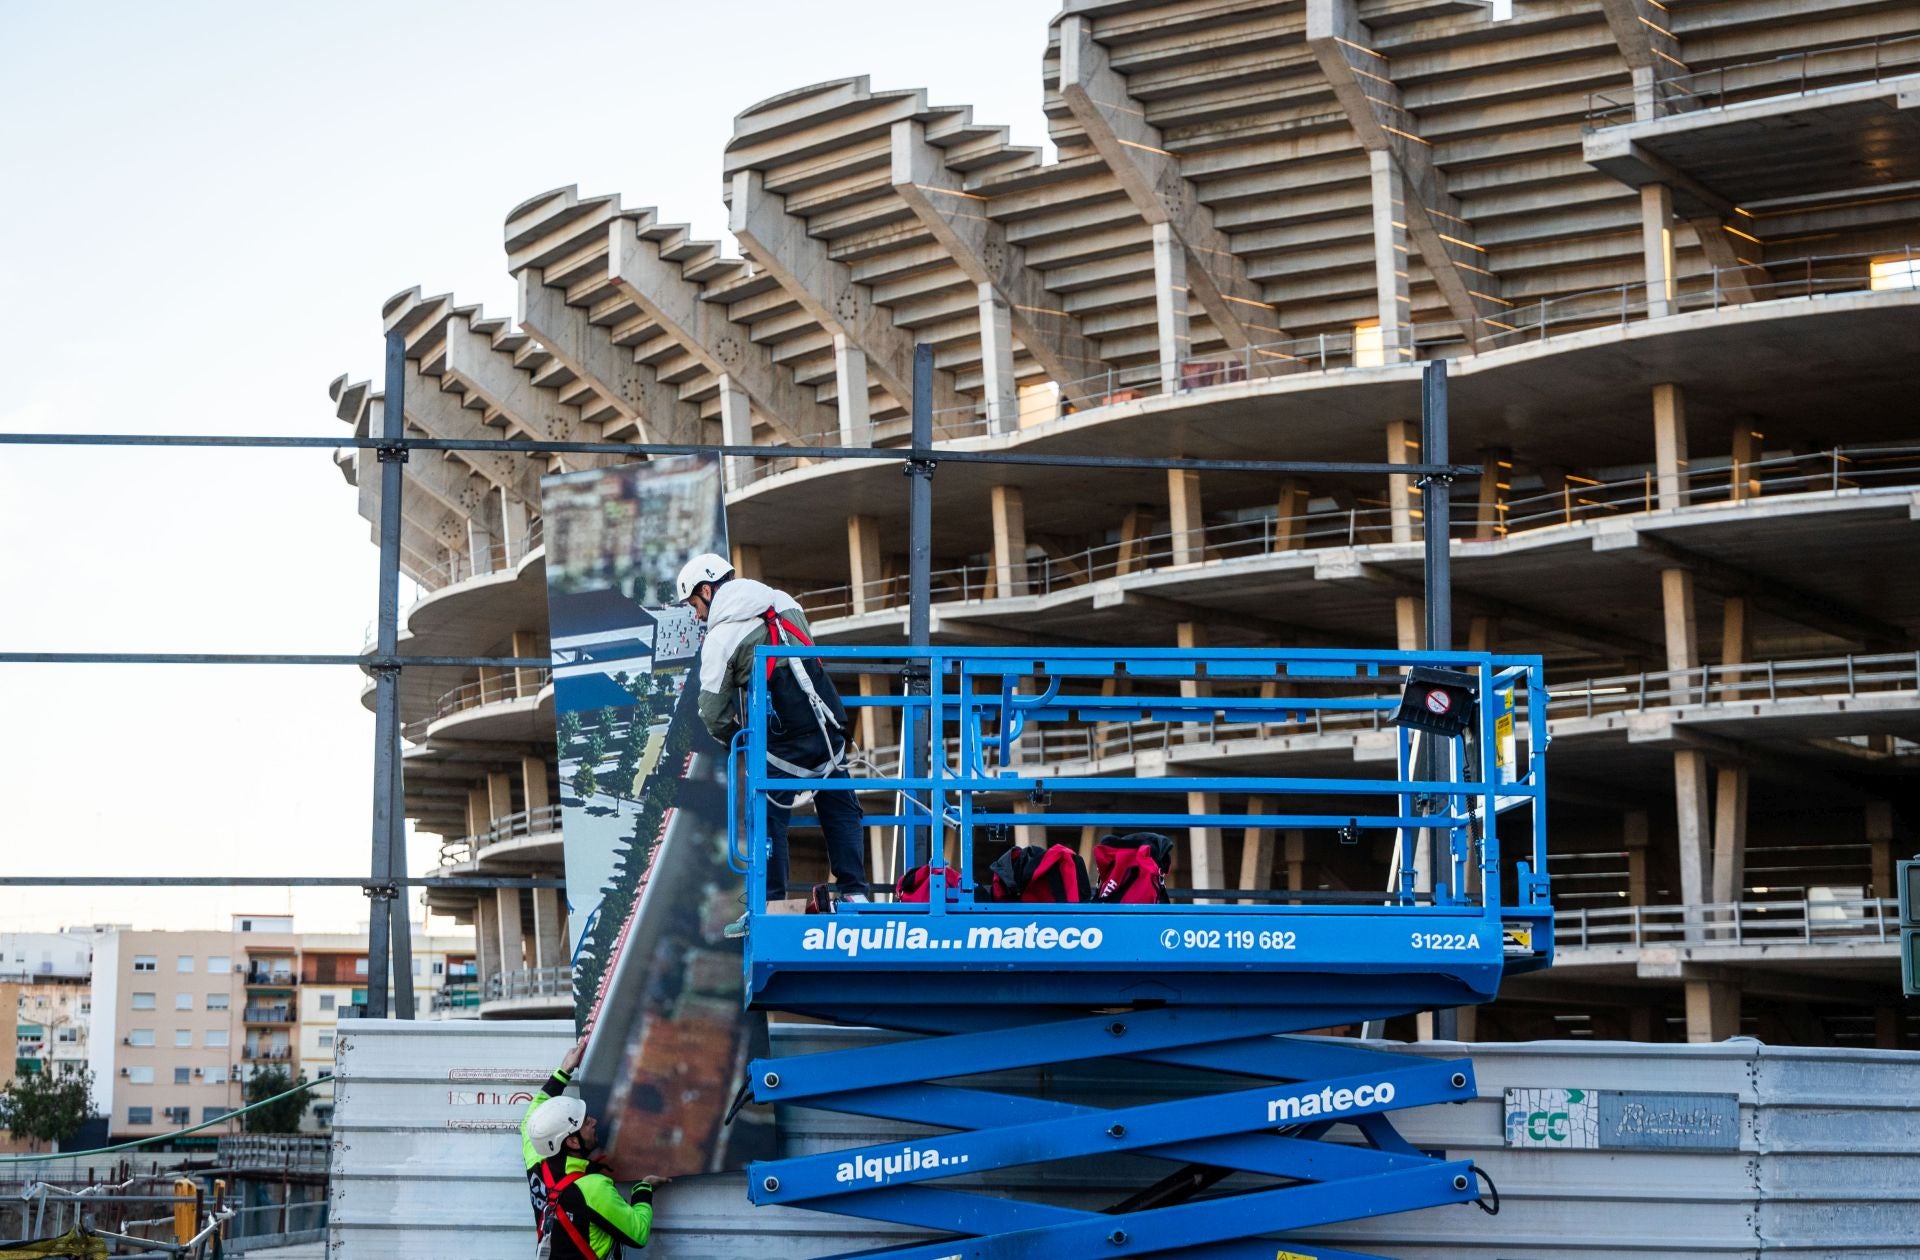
x=556 y=1120
x=706 y=568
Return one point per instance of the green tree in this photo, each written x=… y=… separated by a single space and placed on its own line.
x=277 y=1117
x=585 y=783
x=48 y=1106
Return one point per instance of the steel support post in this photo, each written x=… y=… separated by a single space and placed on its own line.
x=384 y=933
x=1436 y=509
x=919 y=472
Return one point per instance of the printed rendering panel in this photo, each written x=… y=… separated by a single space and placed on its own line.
x=657 y=987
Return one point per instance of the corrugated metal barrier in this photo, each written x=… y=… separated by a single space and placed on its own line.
x=1817 y=1152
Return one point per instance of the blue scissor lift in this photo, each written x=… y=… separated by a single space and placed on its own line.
x=1215 y=984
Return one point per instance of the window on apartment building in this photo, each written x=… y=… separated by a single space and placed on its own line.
x=140 y=1076
x=216 y=1075
x=139 y=1115
x=184 y=964
x=86 y=1006
x=326 y=1041
x=179 y=1115
x=183 y=1036
x=140 y=1037
x=218 y=963
x=182 y=1076
x=326 y=1001
x=69 y=1036
x=416 y=966
x=439 y=968
x=143 y=1002
x=1899 y=272
x=323 y=1074
x=218 y=1001
x=359 y=966
x=145 y=962
x=1369 y=344
x=208 y=1114
x=218 y=1037
x=183 y=1001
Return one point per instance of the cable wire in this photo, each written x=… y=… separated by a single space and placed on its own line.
x=166 y=1137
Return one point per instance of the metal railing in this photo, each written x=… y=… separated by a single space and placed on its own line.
x=267 y=1015
x=1789 y=74
x=1809 y=921
x=515 y=826
x=1844 y=676
x=274 y=1152
x=282 y=979
x=457 y=999
x=508 y=684
x=491 y=559
x=266 y=1054
x=1769 y=681
x=530 y=982
x=1832 y=472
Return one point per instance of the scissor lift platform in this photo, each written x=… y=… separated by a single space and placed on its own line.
x=1216 y=983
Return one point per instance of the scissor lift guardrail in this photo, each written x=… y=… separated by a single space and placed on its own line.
x=1222 y=987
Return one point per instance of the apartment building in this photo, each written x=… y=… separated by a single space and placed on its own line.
x=1674 y=267
x=48 y=974
x=184 y=1019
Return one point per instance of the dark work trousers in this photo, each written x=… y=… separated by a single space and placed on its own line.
x=840 y=818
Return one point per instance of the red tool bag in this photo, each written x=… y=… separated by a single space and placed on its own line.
x=1026 y=873
x=1133 y=868
x=917 y=884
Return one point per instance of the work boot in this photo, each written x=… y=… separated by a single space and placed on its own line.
x=737 y=929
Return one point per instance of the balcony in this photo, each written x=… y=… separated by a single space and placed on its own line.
x=268 y=1015
x=513 y=829
x=522 y=689
x=270 y=978
x=528 y=990
x=1808 y=921
x=454 y=1001
x=500 y=557
x=267 y=1054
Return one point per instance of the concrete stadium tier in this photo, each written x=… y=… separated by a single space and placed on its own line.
x=1670 y=252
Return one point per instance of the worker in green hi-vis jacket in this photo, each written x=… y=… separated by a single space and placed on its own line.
x=578 y=1211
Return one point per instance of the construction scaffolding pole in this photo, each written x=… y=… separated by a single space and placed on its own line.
x=384 y=934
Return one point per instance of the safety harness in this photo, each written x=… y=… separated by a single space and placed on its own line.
x=556 y=1212
x=783 y=633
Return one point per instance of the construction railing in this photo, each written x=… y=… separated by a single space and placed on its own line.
x=515 y=826
x=515 y=684
x=530 y=982
x=1808 y=921
x=1837 y=471
x=1789 y=74
x=494 y=558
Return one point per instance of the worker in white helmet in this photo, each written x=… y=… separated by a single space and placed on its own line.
x=578 y=1211
x=807 y=735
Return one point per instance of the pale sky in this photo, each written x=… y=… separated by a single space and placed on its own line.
x=202 y=208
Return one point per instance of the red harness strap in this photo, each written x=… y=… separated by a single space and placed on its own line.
x=775 y=624
x=553 y=1205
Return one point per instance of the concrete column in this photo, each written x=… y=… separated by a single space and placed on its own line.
x=1403 y=447
x=1009 y=541
x=1207 y=866
x=513 y=936
x=1186 y=519
x=1736 y=643
x=513 y=526
x=1730 y=833
x=746 y=562
x=486 y=937
x=1656 y=247
x=1634 y=833
x=1390 y=259
x=1880 y=856
x=526 y=678
x=876 y=724
x=851 y=392
x=499 y=795
x=736 y=429
x=1670 y=445
x=1496 y=467
x=1482 y=634
x=1027 y=834
x=1256 y=850
x=1742 y=482
x=1134 y=528
x=863 y=564
x=1409 y=623
x=533 y=783
x=1681 y=625
x=1713 y=1010
x=481 y=528
x=477 y=817
x=1290 y=515
x=549 y=929
x=1690 y=790
x=1192 y=636
x=1171 y=320
x=1001 y=387
x=1294 y=854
